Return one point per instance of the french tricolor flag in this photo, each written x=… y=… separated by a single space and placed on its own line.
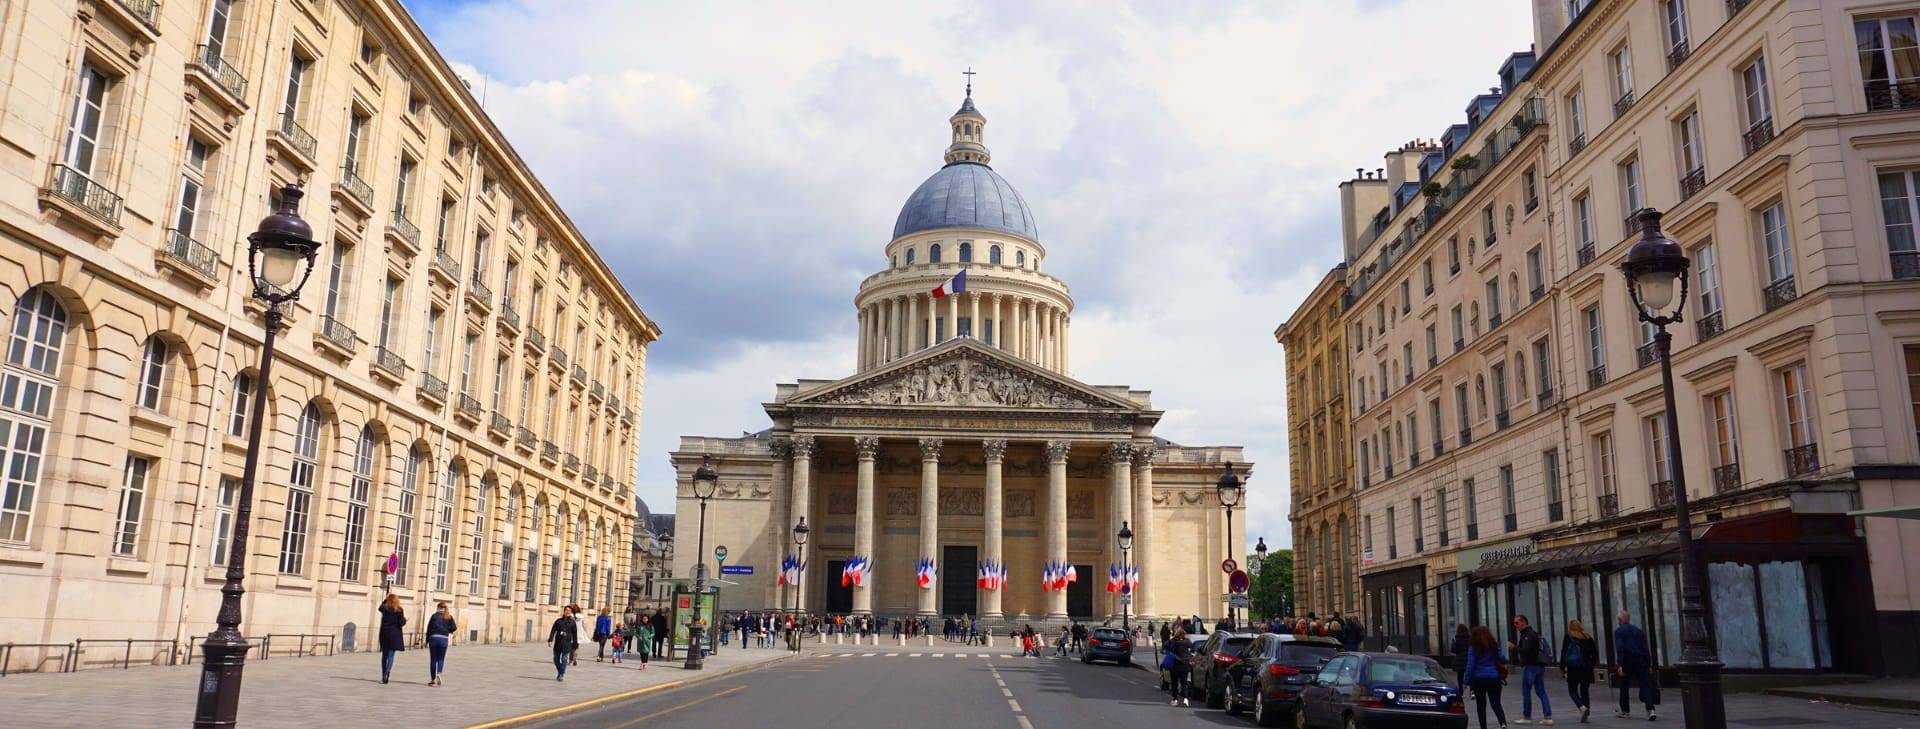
x=955 y=285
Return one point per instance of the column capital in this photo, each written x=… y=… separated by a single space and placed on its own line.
x=996 y=449
x=803 y=446
x=1143 y=455
x=781 y=448
x=1057 y=450
x=1119 y=453
x=865 y=446
x=930 y=449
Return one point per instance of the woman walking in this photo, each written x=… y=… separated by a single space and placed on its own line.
x=643 y=640
x=1486 y=671
x=393 y=636
x=1179 y=673
x=1462 y=639
x=1579 y=654
x=440 y=629
x=602 y=632
x=563 y=636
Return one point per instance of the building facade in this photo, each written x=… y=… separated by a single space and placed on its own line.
x=1325 y=578
x=1777 y=139
x=649 y=589
x=962 y=441
x=421 y=406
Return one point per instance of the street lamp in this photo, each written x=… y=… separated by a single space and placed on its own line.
x=275 y=253
x=800 y=555
x=1126 y=596
x=705 y=482
x=1260 y=552
x=1656 y=270
x=1228 y=488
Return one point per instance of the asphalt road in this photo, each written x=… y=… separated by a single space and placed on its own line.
x=902 y=690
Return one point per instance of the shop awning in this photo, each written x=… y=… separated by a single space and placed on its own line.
x=1890 y=512
x=1595 y=554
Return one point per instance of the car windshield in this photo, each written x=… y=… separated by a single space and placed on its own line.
x=1109 y=634
x=1306 y=654
x=1406 y=671
x=1234 y=645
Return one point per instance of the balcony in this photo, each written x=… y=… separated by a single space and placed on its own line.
x=1445 y=538
x=499 y=425
x=1586 y=253
x=208 y=64
x=549 y=452
x=590 y=474
x=467 y=408
x=1608 y=505
x=1646 y=354
x=336 y=336
x=1596 y=377
x=1546 y=395
x=1758 y=135
x=388 y=363
x=1492 y=238
x=433 y=388
x=1366 y=480
x=1693 y=182
x=613 y=403
x=1709 y=326
x=626 y=414
x=536 y=339
x=1779 y=293
x=571 y=463
x=444 y=267
x=142 y=11
x=1413 y=460
x=403 y=233
x=1906 y=264
x=1502 y=419
x=1473 y=531
x=557 y=359
x=1433 y=360
x=354 y=191
x=579 y=375
x=1466 y=436
x=1622 y=105
x=509 y=319
x=524 y=440
x=1662 y=494
x=190 y=256
x=1884 y=96
x=1678 y=55
x=72 y=190
x=607 y=482
x=1556 y=511
x=1726 y=478
x=1459 y=344
x=1439 y=448
x=1577 y=143
x=1389 y=471
x=1511 y=522
x=295 y=139
x=1631 y=223
x=1803 y=460
x=597 y=391
x=479 y=297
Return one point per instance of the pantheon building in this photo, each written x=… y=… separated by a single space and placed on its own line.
x=962 y=438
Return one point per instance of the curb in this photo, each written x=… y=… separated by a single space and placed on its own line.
x=1878 y=702
x=559 y=711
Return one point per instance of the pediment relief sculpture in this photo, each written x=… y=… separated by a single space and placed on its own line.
x=965 y=380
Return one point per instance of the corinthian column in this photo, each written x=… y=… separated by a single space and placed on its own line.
x=782 y=450
x=1119 y=501
x=933 y=317
x=1056 y=541
x=1014 y=335
x=996 y=450
x=953 y=316
x=999 y=325
x=1143 y=526
x=929 y=516
x=973 y=302
x=912 y=322
x=865 y=447
x=802 y=495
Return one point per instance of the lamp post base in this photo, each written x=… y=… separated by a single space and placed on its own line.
x=223 y=658
x=1701 y=697
x=696 y=653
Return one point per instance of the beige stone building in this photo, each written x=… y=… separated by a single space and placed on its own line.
x=1777 y=137
x=962 y=439
x=1326 y=579
x=422 y=405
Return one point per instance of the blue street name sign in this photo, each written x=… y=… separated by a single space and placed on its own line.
x=736 y=569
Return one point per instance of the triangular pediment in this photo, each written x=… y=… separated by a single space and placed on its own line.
x=965 y=373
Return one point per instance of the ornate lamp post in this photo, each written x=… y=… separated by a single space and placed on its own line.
x=1656 y=270
x=1126 y=597
x=800 y=554
x=705 y=481
x=1228 y=488
x=275 y=254
x=1260 y=552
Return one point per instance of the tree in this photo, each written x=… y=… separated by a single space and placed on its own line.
x=1270 y=593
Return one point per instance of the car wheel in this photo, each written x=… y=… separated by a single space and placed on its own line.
x=1352 y=723
x=1233 y=701
x=1300 y=716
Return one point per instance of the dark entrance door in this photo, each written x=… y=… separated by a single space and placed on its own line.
x=839 y=599
x=959 y=595
x=1080 y=593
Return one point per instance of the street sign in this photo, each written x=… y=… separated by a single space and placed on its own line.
x=1229 y=566
x=1239 y=601
x=1238 y=582
x=720 y=553
x=1126 y=599
x=736 y=569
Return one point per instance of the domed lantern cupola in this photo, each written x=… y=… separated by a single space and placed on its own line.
x=969 y=132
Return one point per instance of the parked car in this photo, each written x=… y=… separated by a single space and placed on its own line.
x=1107 y=644
x=1360 y=690
x=1271 y=672
x=1210 y=663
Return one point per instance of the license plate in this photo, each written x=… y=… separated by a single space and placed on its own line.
x=1422 y=699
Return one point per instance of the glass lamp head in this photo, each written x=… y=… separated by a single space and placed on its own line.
x=705 y=479
x=278 y=248
x=1656 y=271
x=1126 y=536
x=800 y=531
x=1228 y=487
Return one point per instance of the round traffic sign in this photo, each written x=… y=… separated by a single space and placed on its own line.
x=1238 y=581
x=720 y=552
x=1228 y=565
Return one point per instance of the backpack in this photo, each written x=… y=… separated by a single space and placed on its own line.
x=1575 y=659
x=1544 y=656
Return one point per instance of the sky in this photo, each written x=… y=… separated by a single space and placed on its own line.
x=740 y=165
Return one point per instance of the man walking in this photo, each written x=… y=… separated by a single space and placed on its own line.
x=1633 y=662
x=563 y=637
x=1533 y=654
x=660 y=632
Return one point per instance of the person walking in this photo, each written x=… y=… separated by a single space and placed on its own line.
x=1179 y=674
x=726 y=628
x=440 y=629
x=1533 y=654
x=1462 y=639
x=1486 y=671
x=659 y=632
x=564 y=636
x=579 y=629
x=1579 y=653
x=602 y=632
x=393 y=636
x=1633 y=663
x=617 y=640
x=644 y=641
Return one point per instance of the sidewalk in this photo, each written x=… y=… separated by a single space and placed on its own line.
x=483 y=683
x=1889 y=693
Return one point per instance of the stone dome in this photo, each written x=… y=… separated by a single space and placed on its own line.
x=966 y=195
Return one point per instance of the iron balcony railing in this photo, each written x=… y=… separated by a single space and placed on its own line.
x=1577 y=143
x=590 y=474
x=1546 y=395
x=1433 y=360
x=1537 y=293
x=1389 y=470
x=1502 y=418
x=338 y=333
x=1735 y=6
x=1645 y=354
x=77 y=188
x=524 y=438
x=597 y=391
x=192 y=254
x=537 y=338
x=580 y=374
x=1726 y=478
x=1445 y=538
x=1556 y=511
x=1586 y=253
x=482 y=295
x=1459 y=344
x=508 y=316
x=500 y=424
x=1888 y=96
x=1473 y=531
x=1466 y=436
x=1622 y=105
x=1439 y=448
x=1709 y=326
x=297 y=136
x=404 y=228
x=627 y=413
x=1413 y=460
x=433 y=387
x=208 y=61
x=1596 y=376
x=1608 y=505
x=1693 y=182
x=1779 y=293
x=607 y=482
x=1802 y=460
x=1678 y=55
x=1493 y=321
x=444 y=263
x=572 y=463
x=386 y=359
x=613 y=403
x=142 y=10
x=356 y=187
x=558 y=357
x=469 y=406
x=1758 y=135
x=1662 y=494
x=549 y=451
x=1906 y=264
x=1631 y=223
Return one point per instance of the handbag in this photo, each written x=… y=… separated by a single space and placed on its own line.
x=1166 y=661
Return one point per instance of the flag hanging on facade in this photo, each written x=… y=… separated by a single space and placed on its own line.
x=787 y=566
x=926 y=571
x=1113 y=578
x=955 y=285
x=1072 y=576
x=856 y=572
x=1046 y=577
x=1133 y=581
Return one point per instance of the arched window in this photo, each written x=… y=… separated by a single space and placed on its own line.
x=408 y=513
x=476 y=549
x=966 y=252
x=933 y=253
x=153 y=373
x=306 y=464
x=507 y=527
x=242 y=405
x=359 y=491
x=443 y=525
x=993 y=255
x=534 y=533
x=1020 y=259
x=28 y=385
x=909 y=256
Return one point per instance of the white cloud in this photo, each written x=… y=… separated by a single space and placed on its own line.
x=740 y=170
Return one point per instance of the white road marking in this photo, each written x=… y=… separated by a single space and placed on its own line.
x=939 y=655
x=913 y=655
x=1005 y=692
x=868 y=655
x=1024 y=724
x=983 y=655
x=890 y=655
x=1015 y=705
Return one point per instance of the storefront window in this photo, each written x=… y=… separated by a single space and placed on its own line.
x=1595 y=605
x=1817 y=589
x=1735 y=616
x=1783 y=593
x=1667 y=606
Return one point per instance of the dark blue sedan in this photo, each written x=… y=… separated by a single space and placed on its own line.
x=1361 y=690
x=1108 y=644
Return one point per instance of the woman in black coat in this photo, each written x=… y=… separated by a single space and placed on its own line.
x=393 y=636
x=1462 y=640
x=1579 y=654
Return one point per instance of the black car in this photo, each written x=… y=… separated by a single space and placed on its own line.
x=1272 y=671
x=1210 y=663
x=1107 y=644
x=1391 y=690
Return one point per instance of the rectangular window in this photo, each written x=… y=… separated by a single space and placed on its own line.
x=356 y=131
x=1536 y=273
x=186 y=216
x=1797 y=406
x=297 y=68
x=86 y=120
x=1413 y=433
x=1433 y=347
x=1406 y=296
x=1393 y=536
x=133 y=500
x=1440 y=515
x=224 y=500
x=389 y=296
x=1725 y=450
x=336 y=277
x=1489 y=230
x=1687 y=134
x=1459 y=327
x=1630 y=197
x=1493 y=303
x=1453 y=255
x=1659 y=465
x=1530 y=189
x=443 y=526
x=499 y=384
x=1912 y=353
x=1899 y=209
x=1577 y=116
x=1757 y=102
x=404 y=519
x=1464 y=409
x=153 y=373
x=1773 y=238
x=1426 y=276
x=1706 y=264
x=466 y=364
x=1620 y=67
x=477 y=540
x=1433 y=416
x=443 y=227
x=1603 y=464
x=359 y=494
x=1499 y=375
x=1675 y=13
x=402 y=187
x=301 y=476
x=1471 y=500
x=1596 y=338
x=1583 y=226
x=217 y=22
x=1509 y=501
x=1550 y=472
x=1889 y=61
x=1543 y=368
